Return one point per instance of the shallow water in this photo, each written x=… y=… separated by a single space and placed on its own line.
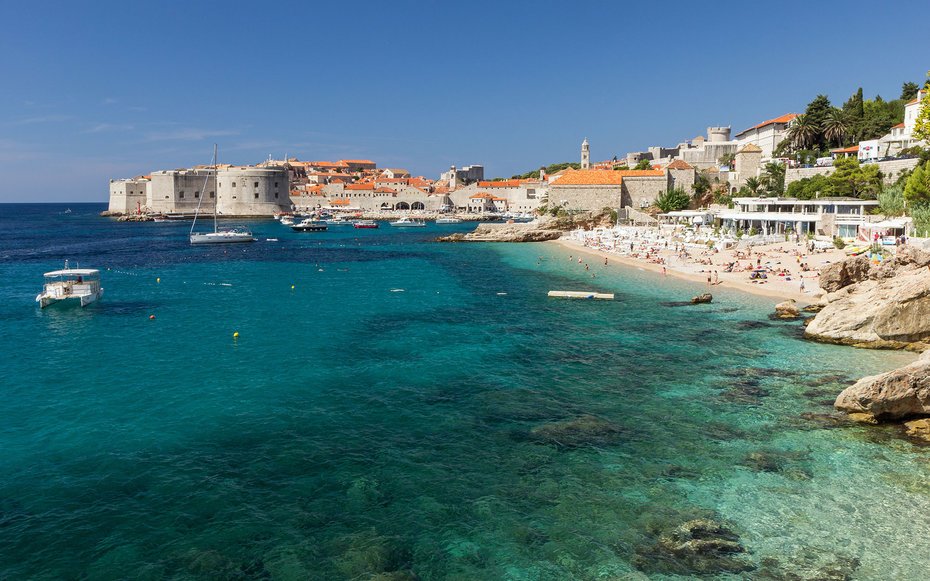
x=418 y=407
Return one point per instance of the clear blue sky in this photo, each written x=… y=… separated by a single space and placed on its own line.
x=93 y=90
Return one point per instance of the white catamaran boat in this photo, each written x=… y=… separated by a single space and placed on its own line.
x=80 y=284
x=225 y=236
x=406 y=222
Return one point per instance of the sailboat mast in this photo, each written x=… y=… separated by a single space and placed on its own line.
x=216 y=189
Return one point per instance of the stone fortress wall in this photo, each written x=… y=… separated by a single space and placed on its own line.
x=890 y=170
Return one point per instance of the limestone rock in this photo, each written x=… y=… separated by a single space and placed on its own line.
x=522 y=232
x=889 y=313
x=835 y=276
x=787 y=310
x=899 y=394
x=702 y=298
x=918 y=429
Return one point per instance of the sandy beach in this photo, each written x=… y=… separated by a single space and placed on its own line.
x=783 y=260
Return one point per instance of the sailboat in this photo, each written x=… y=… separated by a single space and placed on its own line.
x=225 y=236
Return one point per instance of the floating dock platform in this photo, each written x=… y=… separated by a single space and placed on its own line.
x=581 y=295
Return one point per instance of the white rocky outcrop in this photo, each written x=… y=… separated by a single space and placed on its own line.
x=895 y=395
x=885 y=306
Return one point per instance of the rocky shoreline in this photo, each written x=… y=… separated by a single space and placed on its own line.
x=541 y=229
x=884 y=306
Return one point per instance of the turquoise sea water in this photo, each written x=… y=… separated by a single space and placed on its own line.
x=418 y=410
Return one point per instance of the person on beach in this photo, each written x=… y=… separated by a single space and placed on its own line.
x=664 y=271
x=802 y=285
x=605 y=261
x=716 y=277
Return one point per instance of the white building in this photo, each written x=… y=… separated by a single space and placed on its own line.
x=823 y=216
x=901 y=136
x=767 y=135
x=129 y=196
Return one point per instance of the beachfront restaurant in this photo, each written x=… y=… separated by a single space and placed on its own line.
x=687 y=218
x=821 y=217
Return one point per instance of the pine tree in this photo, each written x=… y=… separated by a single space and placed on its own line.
x=816 y=114
x=855 y=113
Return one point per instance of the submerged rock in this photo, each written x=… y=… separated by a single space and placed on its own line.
x=702 y=298
x=896 y=395
x=777 y=462
x=919 y=430
x=787 y=310
x=586 y=430
x=696 y=547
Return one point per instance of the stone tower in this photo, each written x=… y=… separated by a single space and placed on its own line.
x=585 y=154
x=453 y=178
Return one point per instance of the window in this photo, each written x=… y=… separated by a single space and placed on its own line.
x=234 y=184
x=256 y=195
x=256 y=184
x=181 y=194
x=276 y=195
x=276 y=184
x=212 y=194
x=196 y=194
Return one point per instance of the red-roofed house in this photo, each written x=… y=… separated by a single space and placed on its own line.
x=766 y=135
x=354 y=165
x=589 y=190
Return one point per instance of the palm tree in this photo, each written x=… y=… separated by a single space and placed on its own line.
x=753 y=184
x=835 y=126
x=773 y=177
x=803 y=132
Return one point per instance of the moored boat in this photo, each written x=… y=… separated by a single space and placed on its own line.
x=78 y=284
x=362 y=224
x=406 y=222
x=309 y=226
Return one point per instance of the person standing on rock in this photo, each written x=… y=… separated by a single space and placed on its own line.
x=802 y=284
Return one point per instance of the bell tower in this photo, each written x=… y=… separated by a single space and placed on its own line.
x=585 y=154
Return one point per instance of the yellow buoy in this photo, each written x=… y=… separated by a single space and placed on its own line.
x=292 y=287
x=158 y=279
x=236 y=335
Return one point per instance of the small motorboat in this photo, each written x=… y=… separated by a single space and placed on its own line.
x=338 y=221
x=309 y=226
x=406 y=222
x=448 y=220
x=79 y=284
x=365 y=224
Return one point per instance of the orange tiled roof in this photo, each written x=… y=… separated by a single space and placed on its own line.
x=392 y=180
x=850 y=149
x=481 y=195
x=680 y=164
x=501 y=184
x=898 y=126
x=348 y=161
x=340 y=202
x=787 y=117
x=385 y=191
x=326 y=164
x=365 y=186
x=911 y=102
x=596 y=177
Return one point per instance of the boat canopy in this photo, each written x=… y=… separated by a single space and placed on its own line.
x=73 y=272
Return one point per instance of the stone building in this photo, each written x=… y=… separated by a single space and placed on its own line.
x=179 y=190
x=129 y=196
x=766 y=135
x=705 y=153
x=748 y=165
x=585 y=154
x=252 y=191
